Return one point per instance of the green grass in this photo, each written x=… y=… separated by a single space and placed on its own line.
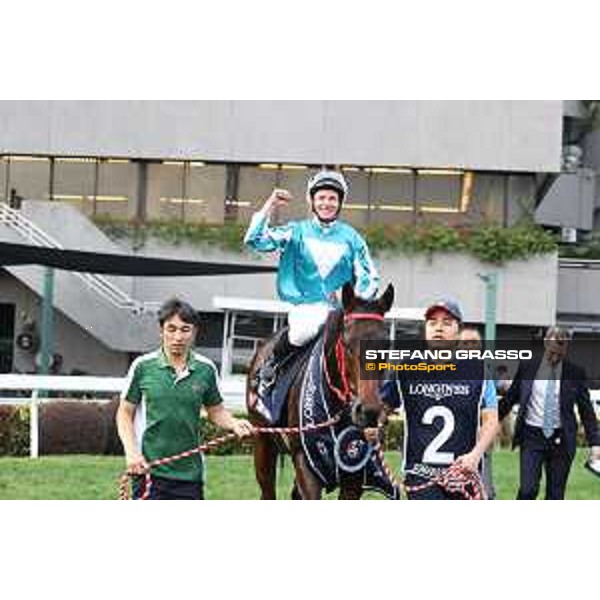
x=228 y=477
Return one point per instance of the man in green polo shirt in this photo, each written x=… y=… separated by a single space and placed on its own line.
x=159 y=412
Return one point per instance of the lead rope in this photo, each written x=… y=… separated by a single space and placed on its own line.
x=125 y=478
x=456 y=479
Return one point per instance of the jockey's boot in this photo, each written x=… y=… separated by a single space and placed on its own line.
x=268 y=371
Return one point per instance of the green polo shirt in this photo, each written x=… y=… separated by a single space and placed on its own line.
x=167 y=415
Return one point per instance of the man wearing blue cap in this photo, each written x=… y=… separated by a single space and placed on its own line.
x=450 y=419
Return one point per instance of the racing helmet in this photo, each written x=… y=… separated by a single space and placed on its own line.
x=327 y=179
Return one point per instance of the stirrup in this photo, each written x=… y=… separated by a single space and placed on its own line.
x=264 y=387
x=268 y=372
x=264 y=379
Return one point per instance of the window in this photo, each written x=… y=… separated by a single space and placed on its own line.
x=75 y=182
x=94 y=186
x=205 y=193
x=29 y=176
x=117 y=188
x=165 y=191
x=392 y=195
x=438 y=191
x=356 y=207
x=294 y=179
x=255 y=184
x=187 y=191
x=195 y=192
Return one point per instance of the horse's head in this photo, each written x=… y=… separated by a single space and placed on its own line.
x=361 y=320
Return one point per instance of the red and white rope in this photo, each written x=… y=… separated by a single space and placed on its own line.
x=124 y=480
x=456 y=479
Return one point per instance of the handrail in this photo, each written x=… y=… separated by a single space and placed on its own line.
x=97 y=283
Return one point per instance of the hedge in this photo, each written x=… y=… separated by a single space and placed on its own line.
x=65 y=428
x=89 y=428
x=487 y=242
x=68 y=427
x=14 y=431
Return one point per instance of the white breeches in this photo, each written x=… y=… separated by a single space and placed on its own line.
x=305 y=320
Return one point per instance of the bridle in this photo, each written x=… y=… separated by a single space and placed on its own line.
x=343 y=392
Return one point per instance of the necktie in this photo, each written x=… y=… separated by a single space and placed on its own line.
x=550 y=405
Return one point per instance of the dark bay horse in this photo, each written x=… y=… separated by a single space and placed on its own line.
x=359 y=398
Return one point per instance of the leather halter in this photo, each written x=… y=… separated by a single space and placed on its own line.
x=363 y=317
x=344 y=393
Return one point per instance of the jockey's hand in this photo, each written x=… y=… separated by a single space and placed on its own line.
x=279 y=197
x=469 y=461
x=371 y=434
x=242 y=428
x=136 y=464
x=336 y=297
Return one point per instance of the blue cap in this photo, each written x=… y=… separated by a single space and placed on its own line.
x=450 y=306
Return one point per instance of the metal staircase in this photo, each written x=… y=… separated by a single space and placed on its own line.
x=31 y=233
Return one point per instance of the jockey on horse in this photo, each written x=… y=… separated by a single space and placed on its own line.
x=318 y=256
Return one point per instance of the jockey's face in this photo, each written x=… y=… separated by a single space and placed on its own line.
x=326 y=205
x=177 y=337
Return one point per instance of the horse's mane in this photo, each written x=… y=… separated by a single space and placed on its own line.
x=333 y=329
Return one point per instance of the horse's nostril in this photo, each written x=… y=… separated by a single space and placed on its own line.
x=370 y=417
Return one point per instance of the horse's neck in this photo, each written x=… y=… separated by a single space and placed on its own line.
x=334 y=330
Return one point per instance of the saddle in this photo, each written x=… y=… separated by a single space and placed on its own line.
x=271 y=400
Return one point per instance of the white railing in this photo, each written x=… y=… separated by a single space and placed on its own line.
x=51 y=383
x=34 y=235
x=233 y=390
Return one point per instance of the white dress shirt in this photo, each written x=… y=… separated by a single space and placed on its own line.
x=535 y=414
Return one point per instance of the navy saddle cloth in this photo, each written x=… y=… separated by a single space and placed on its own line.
x=272 y=406
x=339 y=448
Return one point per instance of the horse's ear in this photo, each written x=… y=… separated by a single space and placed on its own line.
x=387 y=299
x=348 y=297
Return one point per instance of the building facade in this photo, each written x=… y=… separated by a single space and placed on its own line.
x=66 y=164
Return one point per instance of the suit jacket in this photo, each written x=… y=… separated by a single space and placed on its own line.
x=573 y=391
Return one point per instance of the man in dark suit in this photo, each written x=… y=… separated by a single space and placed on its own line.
x=547 y=390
